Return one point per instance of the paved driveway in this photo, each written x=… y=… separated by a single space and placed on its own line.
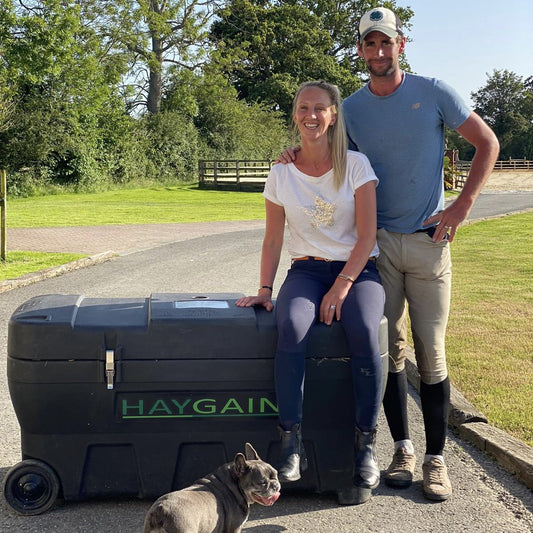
x=486 y=497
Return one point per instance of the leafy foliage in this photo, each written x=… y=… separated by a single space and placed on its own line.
x=268 y=48
x=154 y=35
x=228 y=128
x=505 y=102
x=65 y=91
x=96 y=93
x=171 y=147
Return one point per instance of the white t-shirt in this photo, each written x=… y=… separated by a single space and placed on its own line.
x=321 y=219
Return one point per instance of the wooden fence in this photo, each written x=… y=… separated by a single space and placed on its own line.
x=514 y=164
x=233 y=174
x=462 y=168
x=251 y=174
x=505 y=165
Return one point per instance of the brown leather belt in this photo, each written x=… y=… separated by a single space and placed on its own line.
x=311 y=258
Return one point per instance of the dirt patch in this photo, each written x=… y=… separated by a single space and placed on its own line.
x=511 y=181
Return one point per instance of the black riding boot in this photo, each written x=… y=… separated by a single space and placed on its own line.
x=366 y=476
x=292 y=457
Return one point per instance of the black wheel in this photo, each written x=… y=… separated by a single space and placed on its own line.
x=30 y=487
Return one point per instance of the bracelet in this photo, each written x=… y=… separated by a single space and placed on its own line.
x=346 y=277
x=266 y=287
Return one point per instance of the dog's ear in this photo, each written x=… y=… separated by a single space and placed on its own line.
x=240 y=465
x=251 y=454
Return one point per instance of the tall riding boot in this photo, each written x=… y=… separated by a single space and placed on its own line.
x=292 y=457
x=366 y=476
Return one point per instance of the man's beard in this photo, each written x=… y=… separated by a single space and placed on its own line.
x=383 y=71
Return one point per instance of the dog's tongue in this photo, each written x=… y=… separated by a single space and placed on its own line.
x=266 y=501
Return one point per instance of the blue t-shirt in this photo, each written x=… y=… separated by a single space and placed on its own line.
x=402 y=135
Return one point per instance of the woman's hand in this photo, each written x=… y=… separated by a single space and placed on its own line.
x=331 y=304
x=264 y=300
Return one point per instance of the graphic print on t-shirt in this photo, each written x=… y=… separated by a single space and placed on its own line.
x=322 y=213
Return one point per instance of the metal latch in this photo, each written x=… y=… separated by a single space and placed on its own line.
x=110 y=367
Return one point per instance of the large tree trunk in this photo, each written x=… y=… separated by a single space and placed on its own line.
x=154 y=86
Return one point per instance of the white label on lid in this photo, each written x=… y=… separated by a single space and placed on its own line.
x=202 y=304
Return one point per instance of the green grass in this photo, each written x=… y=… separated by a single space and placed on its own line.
x=489 y=342
x=19 y=263
x=124 y=206
x=489 y=338
x=139 y=206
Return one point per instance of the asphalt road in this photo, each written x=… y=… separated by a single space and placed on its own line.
x=486 y=498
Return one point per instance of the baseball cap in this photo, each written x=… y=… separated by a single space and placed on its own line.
x=380 y=19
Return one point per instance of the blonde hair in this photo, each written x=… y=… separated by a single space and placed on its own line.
x=337 y=139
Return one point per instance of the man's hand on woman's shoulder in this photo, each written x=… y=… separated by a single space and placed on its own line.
x=288 y=155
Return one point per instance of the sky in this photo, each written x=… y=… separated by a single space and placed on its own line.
x=463 y=41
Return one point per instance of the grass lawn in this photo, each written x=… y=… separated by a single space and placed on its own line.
x=489 y=340
x=19 y=263
x=152 y=205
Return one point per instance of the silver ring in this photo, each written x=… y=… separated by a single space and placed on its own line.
x=447 y=227
x=332 y=306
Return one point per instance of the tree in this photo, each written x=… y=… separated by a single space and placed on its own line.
x=267 y=48
x=527 y=139
x=7 y=87
x=171 y=146
x=505 y=104
x=66 y=93
x=155 y=34
x=228 y=127
x=341 y=19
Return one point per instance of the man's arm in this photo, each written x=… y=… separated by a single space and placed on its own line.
x=479 y=135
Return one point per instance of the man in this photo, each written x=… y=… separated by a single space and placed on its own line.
x=397 y=120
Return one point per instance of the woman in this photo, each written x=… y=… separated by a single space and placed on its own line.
x=327 y=196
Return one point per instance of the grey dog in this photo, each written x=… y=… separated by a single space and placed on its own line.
x=219 y=502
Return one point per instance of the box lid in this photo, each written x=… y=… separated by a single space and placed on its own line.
x=196 y=326
x=164 y=326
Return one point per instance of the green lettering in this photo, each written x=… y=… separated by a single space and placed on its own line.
x=233 y=405
x=181 y=406
x=160 y=405
x=265 y=402
x=210 y=406
x=139 y=407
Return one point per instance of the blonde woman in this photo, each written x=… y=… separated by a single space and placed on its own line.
x=327 y=197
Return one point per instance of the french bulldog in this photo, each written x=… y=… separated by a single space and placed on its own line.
x=219 y=502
